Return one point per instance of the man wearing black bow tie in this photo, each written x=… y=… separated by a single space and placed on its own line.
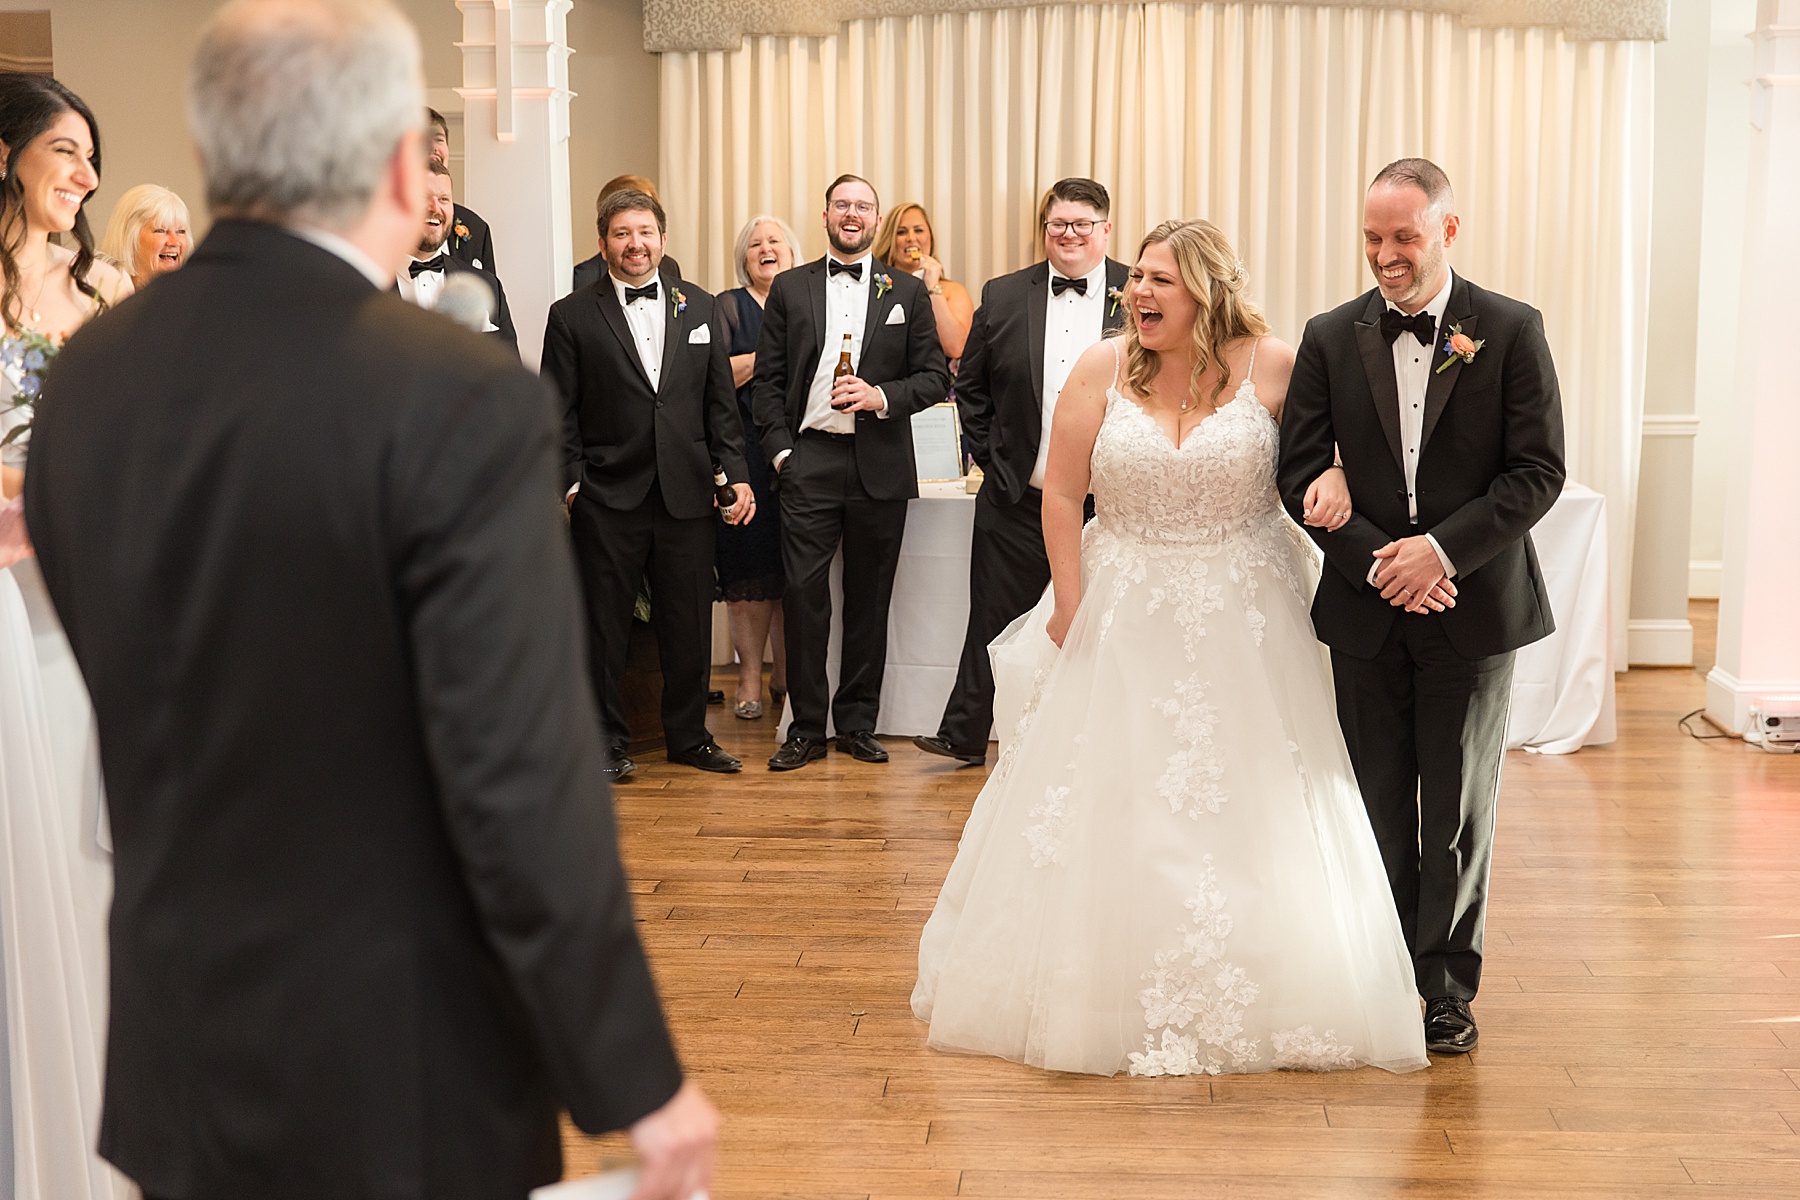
x=1442 y=400
x=1031 y=327
x=649 y=409
x=432 y=265
x=843 y=452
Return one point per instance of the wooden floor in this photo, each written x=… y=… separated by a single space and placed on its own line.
x=1640 y=1011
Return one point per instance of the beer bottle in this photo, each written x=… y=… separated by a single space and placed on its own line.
x=843 y=368
x=726 y=494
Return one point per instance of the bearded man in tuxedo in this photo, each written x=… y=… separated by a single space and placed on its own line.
x=1441 y=399
x=1031 y=327
x=470 y=241
x=370 y=934
x=431 y=265
x=590 y=271
x=648 y=412
x=843 y=455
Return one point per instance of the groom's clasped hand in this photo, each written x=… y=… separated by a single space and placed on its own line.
x=1411 y=576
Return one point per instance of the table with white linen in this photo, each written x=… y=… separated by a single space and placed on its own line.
x=1562 y=686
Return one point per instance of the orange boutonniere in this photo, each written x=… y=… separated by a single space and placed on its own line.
x=1459 y=345
x=461 y=231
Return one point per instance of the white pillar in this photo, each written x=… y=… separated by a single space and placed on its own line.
x=1759 y=604
x=516 y=149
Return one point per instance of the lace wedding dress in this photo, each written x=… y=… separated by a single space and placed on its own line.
x=1170 y=871
x=55 y=891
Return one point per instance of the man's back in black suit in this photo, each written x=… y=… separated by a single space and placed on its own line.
x=370 y=929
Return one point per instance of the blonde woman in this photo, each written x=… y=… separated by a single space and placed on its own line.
x=748 y=557
x=148 y=233
x=907 y=241
x=1170 y=871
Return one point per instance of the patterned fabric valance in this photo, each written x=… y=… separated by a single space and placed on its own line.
x=723 y=24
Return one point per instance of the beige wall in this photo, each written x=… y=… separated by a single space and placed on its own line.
x=131 y=70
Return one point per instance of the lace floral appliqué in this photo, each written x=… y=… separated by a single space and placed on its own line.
x=1190 y=782
x=1195 y=1003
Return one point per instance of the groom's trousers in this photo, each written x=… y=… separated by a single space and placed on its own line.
x=1426 y=731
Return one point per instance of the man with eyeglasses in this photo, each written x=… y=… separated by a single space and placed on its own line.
x=1031 y=327
x=843 y=455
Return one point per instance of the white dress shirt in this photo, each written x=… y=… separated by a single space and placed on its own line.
x=424 y=288
x=648 y=320
x=846 y=310
x=1073 y=321
x=1412 y=374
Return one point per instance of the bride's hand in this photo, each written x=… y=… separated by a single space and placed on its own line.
x=1058 y=628
x=1327 y=502
x=14 y=544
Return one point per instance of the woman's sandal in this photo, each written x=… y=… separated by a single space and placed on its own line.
x=749 y=710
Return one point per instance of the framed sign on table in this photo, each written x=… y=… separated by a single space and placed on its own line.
x=937 y=444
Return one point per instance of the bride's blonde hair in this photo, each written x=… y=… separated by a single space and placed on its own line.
x=1215 y=278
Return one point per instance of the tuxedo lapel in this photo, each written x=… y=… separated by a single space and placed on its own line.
x=1437 y=390
x=1378 y=365
x=815 y=291
x=672 y=332
x=872 y=321
x=1113 y=313
x=607 y=297
x=1037 y=307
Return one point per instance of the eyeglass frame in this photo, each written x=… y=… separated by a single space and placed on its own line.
x=861 y=208
x=1070 y=227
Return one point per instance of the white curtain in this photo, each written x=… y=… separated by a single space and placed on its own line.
x=1267 y=120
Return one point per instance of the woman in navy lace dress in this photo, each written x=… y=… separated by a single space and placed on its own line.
x=749 y=555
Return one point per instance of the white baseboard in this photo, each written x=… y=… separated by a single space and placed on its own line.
x=1703 y=578
x=1659 y=643
x=1729 y=699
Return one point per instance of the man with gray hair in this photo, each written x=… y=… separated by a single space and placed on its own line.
x=371 y=930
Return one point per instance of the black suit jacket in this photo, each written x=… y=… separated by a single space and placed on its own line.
x=1490 y=465
x=1000 y=386
x=618 y=434
x=903 y=359
x=502 y=316
x=591 y=271
x=477 y=249
x=370 y=927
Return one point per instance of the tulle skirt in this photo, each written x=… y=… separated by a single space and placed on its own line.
x=1170 y=870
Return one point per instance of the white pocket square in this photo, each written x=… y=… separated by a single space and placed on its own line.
x=701 y=336
x=896 y=316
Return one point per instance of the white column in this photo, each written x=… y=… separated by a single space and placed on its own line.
x=1658 y=633
x=516 y=149
x=1759 y=604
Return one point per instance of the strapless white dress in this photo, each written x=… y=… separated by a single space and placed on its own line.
x=55 y=893
x=1170 y=870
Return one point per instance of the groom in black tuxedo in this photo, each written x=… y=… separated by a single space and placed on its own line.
x=1442 y=401
x=648 y=410
x=1031 y=327
x=843 y=453
x=370 y=933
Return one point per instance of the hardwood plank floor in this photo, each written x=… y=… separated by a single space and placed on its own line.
x=1640 y=1012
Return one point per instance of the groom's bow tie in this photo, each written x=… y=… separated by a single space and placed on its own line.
x=418 y=268
x=1062 y=283
x=647 y=292
x=834 y=267
x=1420 y=325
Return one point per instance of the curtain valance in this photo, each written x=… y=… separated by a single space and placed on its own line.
x=723 y=24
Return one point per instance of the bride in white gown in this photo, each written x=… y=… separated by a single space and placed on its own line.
x=1170 y=870
x=55 y=870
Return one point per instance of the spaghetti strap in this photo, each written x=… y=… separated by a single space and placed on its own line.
x=1117 y=359
x=1251 y=369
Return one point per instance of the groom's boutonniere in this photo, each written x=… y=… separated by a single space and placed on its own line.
x=1117 y=296
x=1459 y=345
x=461 y=231
x=883 y=281
x=680 y=301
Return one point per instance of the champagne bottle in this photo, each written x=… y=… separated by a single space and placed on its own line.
x=843 y=368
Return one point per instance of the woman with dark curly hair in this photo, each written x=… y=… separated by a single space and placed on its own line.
x=52 y=848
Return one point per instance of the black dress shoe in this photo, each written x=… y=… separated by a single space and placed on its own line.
x=707 y=757
x=1449 y=1026
x=716 y=696
x=942 y=747
x=862 y=746
x=617 y=765
x=796 y=752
